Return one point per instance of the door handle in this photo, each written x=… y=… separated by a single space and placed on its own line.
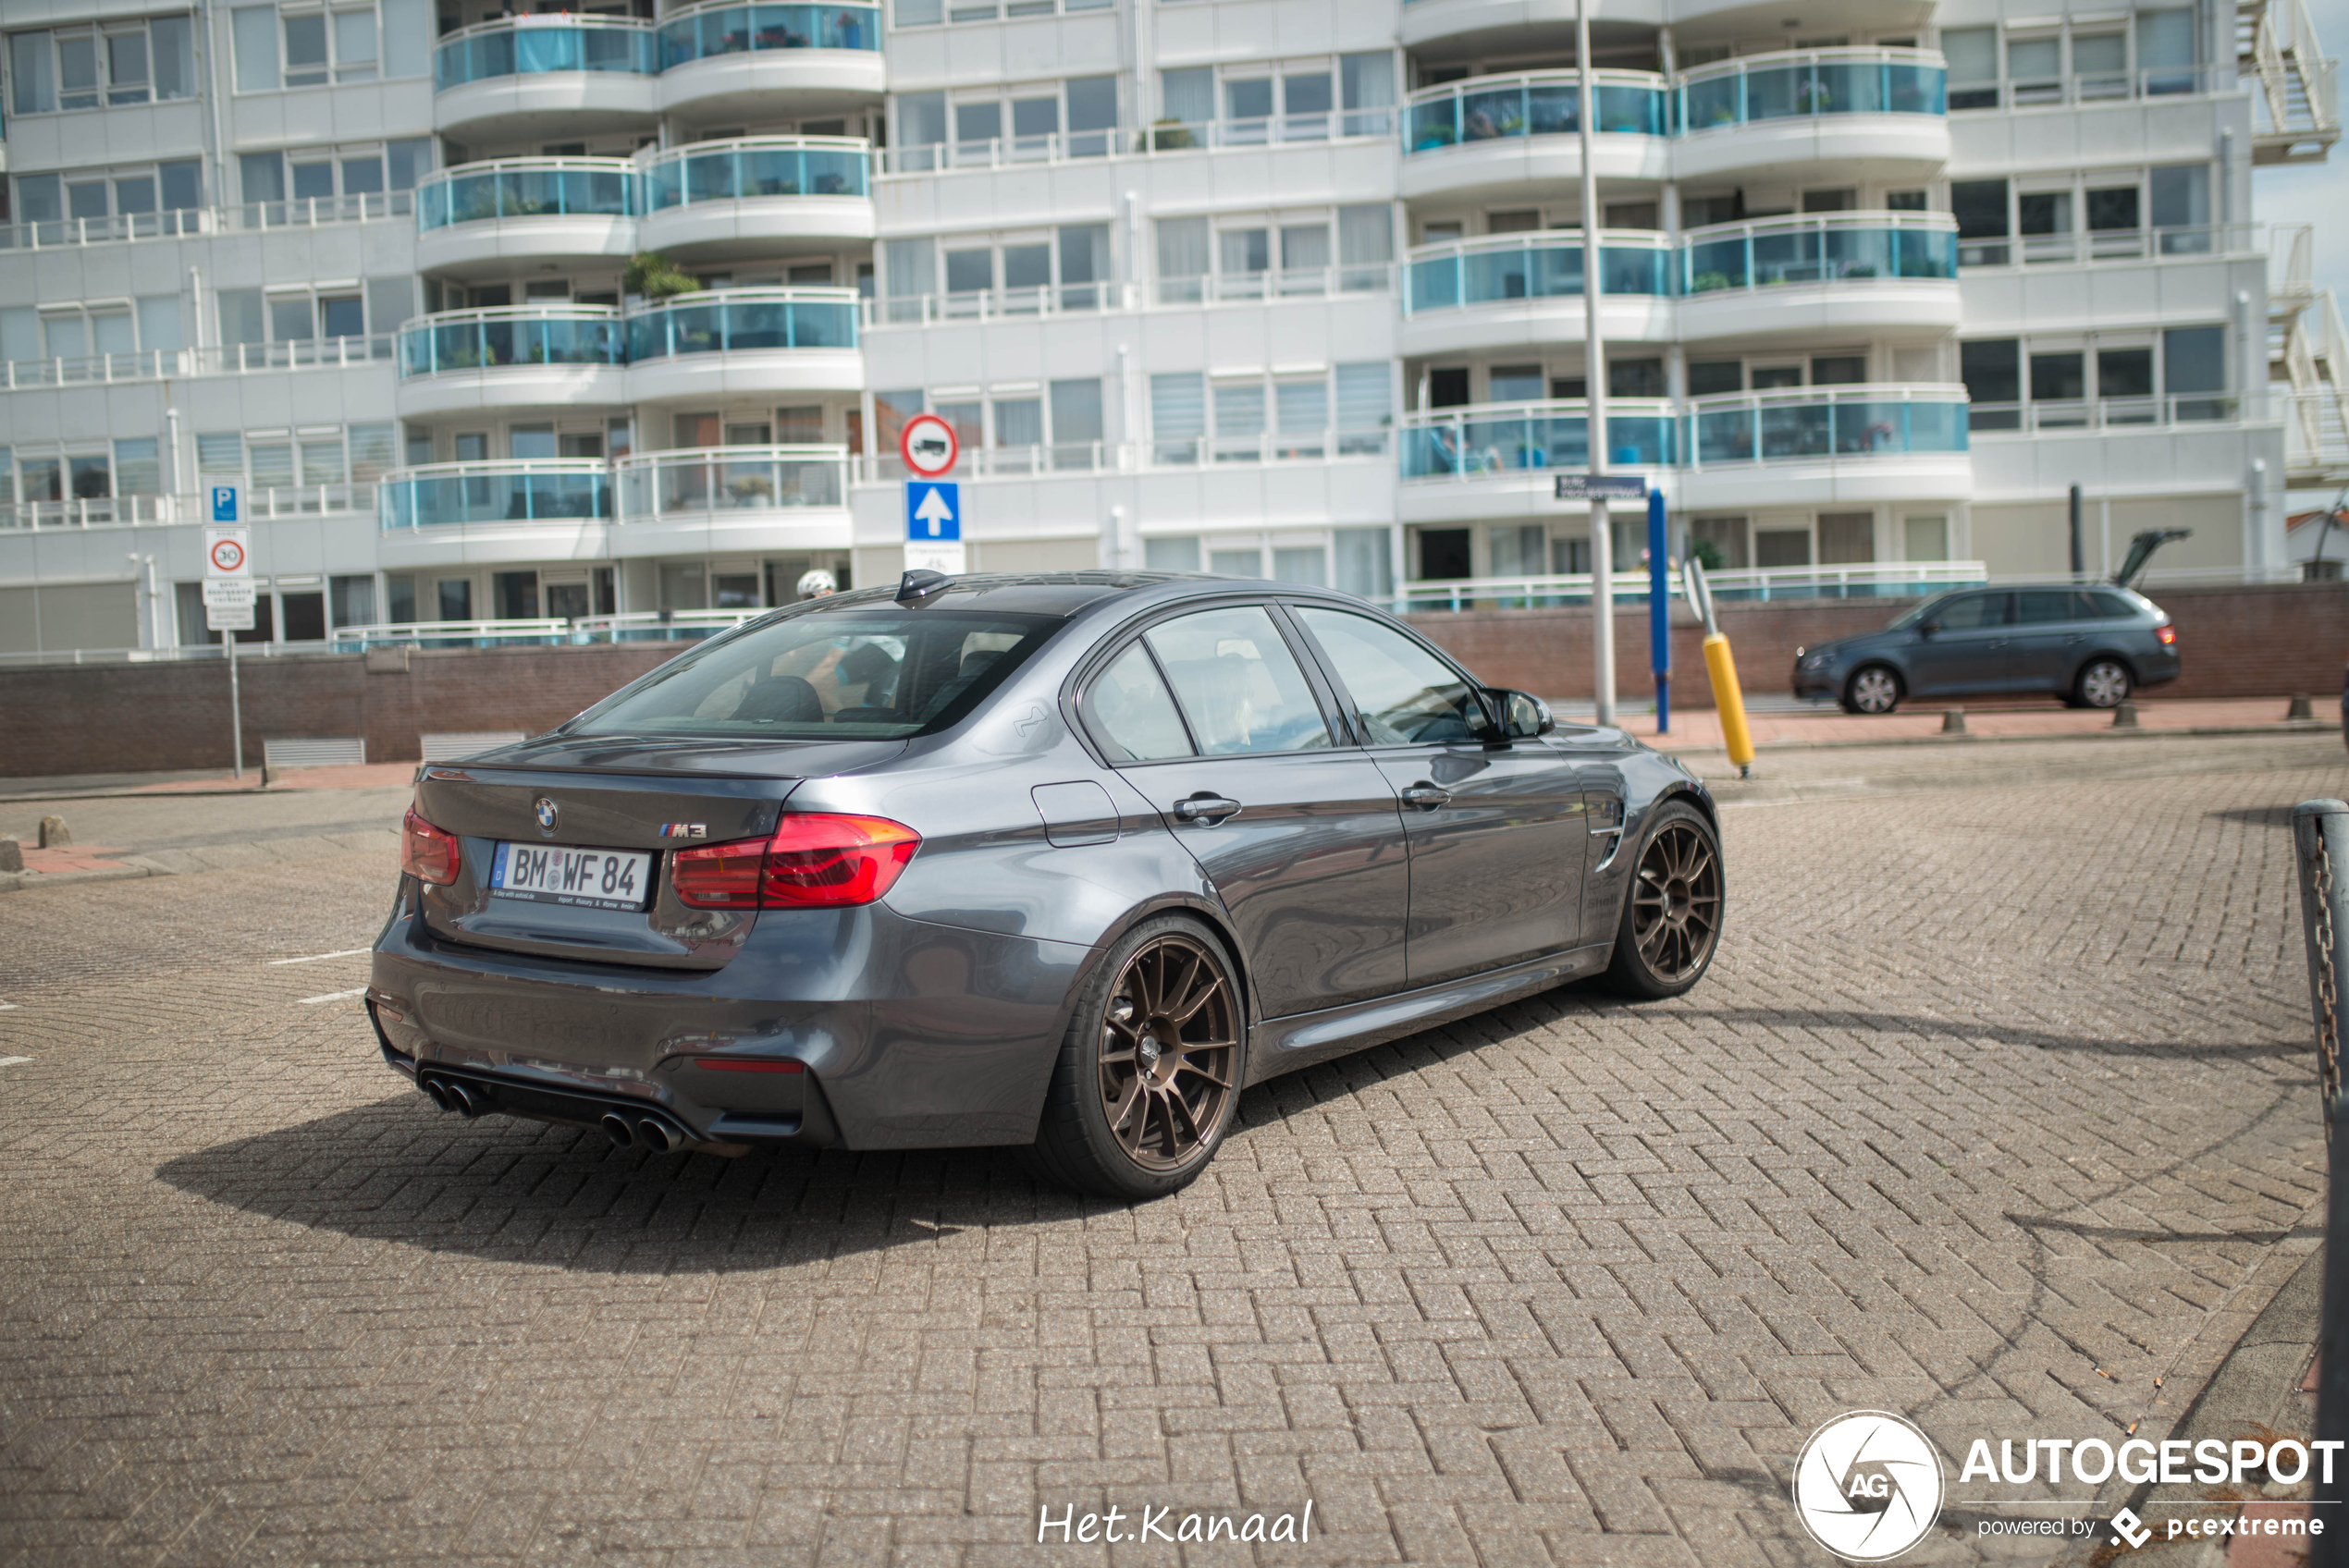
x=1205 y=807
x=1426 y=796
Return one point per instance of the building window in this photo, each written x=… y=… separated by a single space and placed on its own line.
x=1308 y=101
x=140 y=200
x=317 y=46
x=113 y=66
x=2099 y=381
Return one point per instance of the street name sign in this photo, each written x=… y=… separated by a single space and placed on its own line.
x=1601 y=488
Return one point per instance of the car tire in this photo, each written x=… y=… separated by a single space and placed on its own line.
x=1119 y=1120
x=2103 y=682
x=1873 y=689
x=1671 y=923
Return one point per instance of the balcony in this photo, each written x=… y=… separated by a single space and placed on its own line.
x=1490 y=136
x=1890 y=272
x=1881 y=113
x=179 y=222
x=514 y=356
x=750 y=342
x=2103 y=413
x=541 y=76
x=719 y=497
x=652 y=504
x=479 y=218
x=765 y=195
x=1066 y=147
x=738 y=62
x=1528 y=289
x=159 y=364
x=2079 y=247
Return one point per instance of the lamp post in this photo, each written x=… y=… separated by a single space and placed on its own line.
x=1594 y=385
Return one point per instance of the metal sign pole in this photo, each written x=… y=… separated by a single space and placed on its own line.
x=1594 y=385
x=236 y=711
x=1659 y=613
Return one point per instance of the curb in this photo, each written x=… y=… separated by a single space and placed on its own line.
x=1766 y=747
x=25 y=881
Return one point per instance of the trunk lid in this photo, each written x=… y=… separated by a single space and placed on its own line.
x=628 y=798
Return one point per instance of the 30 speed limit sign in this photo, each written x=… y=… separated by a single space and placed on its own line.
x=225 y=554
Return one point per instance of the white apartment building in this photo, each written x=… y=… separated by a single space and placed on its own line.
x=1269 y=286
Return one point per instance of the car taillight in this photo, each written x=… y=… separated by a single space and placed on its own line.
x=814 y=860
x=2168 y=634
x=427 y=853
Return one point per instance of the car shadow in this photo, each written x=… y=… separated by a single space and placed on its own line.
x=396 y=1170
x=2001 y=1033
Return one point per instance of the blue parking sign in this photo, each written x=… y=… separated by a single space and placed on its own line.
x=933 y=510
x=224 y=503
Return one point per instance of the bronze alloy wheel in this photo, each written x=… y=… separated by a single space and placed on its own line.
x=1676 y=903
x=1169 y=1052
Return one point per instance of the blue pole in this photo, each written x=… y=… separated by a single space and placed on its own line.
x=1659 y=613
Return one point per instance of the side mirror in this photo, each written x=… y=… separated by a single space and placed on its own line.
x=1926 y=629
x=1523 y=715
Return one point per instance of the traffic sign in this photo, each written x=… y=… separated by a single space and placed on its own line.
x=1601 y=488
x=933 y=512
x=225 y=553
x=934 y=527
x=229 y=604
x=224 y=503
x=929 y=446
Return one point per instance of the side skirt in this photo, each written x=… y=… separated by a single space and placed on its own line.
x=1284 y=1045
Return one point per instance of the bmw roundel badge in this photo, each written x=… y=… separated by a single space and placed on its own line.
x=545 y=810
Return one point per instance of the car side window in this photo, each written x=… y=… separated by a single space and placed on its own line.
x=1130 y=711
x=1405 y=695
x=2107 y=606
x=1237 y=682
x=2039 y=606
x=1973 y=611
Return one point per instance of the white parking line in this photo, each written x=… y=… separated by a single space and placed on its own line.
x=13 y=1061
x=314 y=958
x=335 y=996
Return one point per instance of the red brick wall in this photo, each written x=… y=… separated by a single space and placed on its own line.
x=2241 y=642
x=122 y=718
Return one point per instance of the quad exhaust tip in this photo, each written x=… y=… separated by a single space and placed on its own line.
x=652 y=1132
x=450 y=1094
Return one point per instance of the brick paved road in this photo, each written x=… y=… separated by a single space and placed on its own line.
x=1993 y=1106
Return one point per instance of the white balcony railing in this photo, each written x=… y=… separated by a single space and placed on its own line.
x=1861 y=581
x=2194 y=242
x=315 y=211
x=156 y=364
x=2104 y=413
x=1076 y=146
x=122 y=512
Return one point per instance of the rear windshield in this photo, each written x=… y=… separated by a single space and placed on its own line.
x=876 y=674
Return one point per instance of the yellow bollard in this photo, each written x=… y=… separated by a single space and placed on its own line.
x=1728 y=700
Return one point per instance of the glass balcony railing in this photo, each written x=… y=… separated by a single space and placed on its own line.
x=1800 y=423
x=764 y=165
x=1494 y=440
x=1527 y=266
x=711 y=30
x=1826 y=248
x=714 y=480
x=534 y=46
x=527 y=188
x=522 y=490
x=1812 y=81
x=1817 y=422
x=735 y=320
x=513 y=334
x=1547 y=103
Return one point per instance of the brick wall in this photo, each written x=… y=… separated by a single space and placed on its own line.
x=2239 y=641
x=121 y=718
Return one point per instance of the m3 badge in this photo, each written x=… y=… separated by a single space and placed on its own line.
x=684 y=829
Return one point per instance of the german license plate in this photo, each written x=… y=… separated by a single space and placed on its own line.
x=549 y=874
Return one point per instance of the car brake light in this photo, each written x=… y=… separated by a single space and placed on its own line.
x=427 y=853
x=814 y=860
x=2168 y=634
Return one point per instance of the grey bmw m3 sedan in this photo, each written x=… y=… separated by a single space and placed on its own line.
x=1065 y=862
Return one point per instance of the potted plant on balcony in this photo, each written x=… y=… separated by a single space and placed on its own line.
x=1169 y=135
x=752 y=490
x=651 y=275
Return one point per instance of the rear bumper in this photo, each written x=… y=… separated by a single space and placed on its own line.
x=2158 y=668
x=912 y=1035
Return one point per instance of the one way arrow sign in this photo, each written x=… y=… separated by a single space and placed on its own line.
x=933 y=510
x=934 y=526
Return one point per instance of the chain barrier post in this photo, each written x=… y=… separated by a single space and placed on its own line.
x=2320 y=842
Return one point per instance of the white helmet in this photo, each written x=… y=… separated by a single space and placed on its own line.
x=815 y=584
